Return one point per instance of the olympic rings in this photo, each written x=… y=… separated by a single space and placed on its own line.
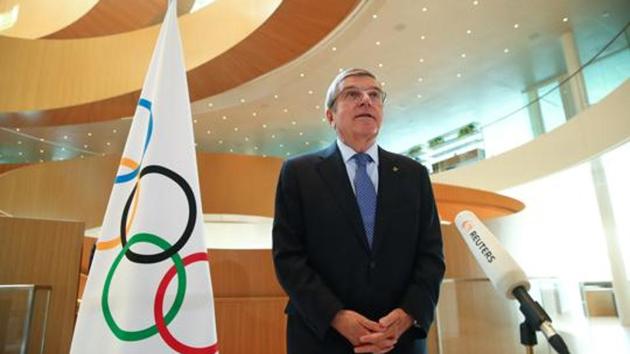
x=179 y=297
x=190 y=225
x=158 y=314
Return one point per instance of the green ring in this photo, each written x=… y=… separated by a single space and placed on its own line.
x=179 y=297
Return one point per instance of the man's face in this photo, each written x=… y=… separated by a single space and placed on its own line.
x=358 y=110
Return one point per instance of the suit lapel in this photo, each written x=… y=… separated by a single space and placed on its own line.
x=333 y=171
x=388 y=189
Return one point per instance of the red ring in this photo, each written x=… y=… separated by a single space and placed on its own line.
x=159 y=316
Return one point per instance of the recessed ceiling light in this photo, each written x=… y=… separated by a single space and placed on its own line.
x=41 y=151
x=246 y=138
x=310 y=92
x=41 y=139
x=17 y=129
x=195 y=121
x=89 y=134
x=380 y=65
x=82 y=156
x=281 y=145
x=323 y=119
x=231 y=150
x=242 y=100
x=275 y=96
x=317 y=106
x=40 y=160
x=566 y=19
x=340 y=69
x=264 y=156
x=382 y=83
x=334 y=49
x=475 y=2
x=65 y=137
x=63 y=149
x=306 y=143
x=422 y=37
x=420 y=79
x=424 y=9
x=220 y=141
x=114 y=131
x=468 y=31
x=235 y=129
x=210 y=104
x=421 y=60
x=378 y=43
x=301 y=133
x=207 y=131
x=506 y=50
x=419 y=95
x=255 y=147
x=463 y=55
x=264 y=125
x=375 y=16
x=85 y=146
x=224 y=117
x=108 y=143
x=20 y=153
x=293 y=122
x=19 y=142
x=516 y=25
x=459 y=75
x=285 y=110
x=288 y=153
x=301 y=74
x=254 y=114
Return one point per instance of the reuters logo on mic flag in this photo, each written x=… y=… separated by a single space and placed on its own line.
x=467 y=226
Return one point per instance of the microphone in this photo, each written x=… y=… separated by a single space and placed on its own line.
x=507 y=277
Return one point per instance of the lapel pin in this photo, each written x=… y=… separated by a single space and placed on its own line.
x=395 y=169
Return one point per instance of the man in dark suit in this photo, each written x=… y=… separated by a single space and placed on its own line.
x=356 y=236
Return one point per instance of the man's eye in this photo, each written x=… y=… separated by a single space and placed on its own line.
x=353 y=94
x=374 y=94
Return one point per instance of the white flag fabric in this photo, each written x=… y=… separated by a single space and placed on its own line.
x=149 y=288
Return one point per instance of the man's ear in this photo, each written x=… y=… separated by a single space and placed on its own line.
x=330 y=118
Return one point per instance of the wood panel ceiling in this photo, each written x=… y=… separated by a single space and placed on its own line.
x=295 y=27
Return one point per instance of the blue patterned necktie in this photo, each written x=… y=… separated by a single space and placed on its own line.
x=365 y=194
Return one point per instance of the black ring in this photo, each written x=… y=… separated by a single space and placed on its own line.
x=190 y=225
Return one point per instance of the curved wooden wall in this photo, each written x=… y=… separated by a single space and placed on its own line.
x=79 y=189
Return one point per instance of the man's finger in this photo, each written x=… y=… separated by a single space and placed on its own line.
x=390 y=318
x=371 y=325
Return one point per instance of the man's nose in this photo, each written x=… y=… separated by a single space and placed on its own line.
x=365 y=98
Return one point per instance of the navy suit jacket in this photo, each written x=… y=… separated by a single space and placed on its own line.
x=323 y=261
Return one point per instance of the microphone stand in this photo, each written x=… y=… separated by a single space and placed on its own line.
x=536 y=319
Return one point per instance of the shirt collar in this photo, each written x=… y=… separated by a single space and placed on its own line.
x=347 y=152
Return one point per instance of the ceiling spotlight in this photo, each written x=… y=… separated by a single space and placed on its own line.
x=459 y=75
x=421 y=60
x=382 y=83
x=378 y=42
x=109 y=144
x=516 y=25
x=114 y=131
x=293 y=122
x=17 y=129
x=464 y=55
x=85 y=146
x=301 y=74
x=506 y=50
x=306 y=143
x=246 y=138
x=288 y=153
x=468 y=31
x=255 y=147
x=475 y=2
x=264 y=125
x=281 y=145
x=235 y=129
x=20 y=153
x=65 y=137
x=420 y=79
x=41 y=139
x=254 y=114
x=275 y=96
x=374 y=16
x=242 y=100
x=220 y=141
x=316 y=106
x=285 y=110
x=422 y=37
x=224 y=117
x=424 y=9
x=380 y=65
x=566 y=19
x=334 y=49
x=310 y=92
x=195 y=121
x=210 y=104
x=301 y=133
x=419 y=95
x=19 y=142
x=231 y=150
x=207 y=131
x=41 y=151
x=273 y=136
x=89 y=134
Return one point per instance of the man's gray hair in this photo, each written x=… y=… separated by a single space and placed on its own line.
x=333 y=89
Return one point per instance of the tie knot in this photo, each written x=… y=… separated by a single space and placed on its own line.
x=362 y=159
